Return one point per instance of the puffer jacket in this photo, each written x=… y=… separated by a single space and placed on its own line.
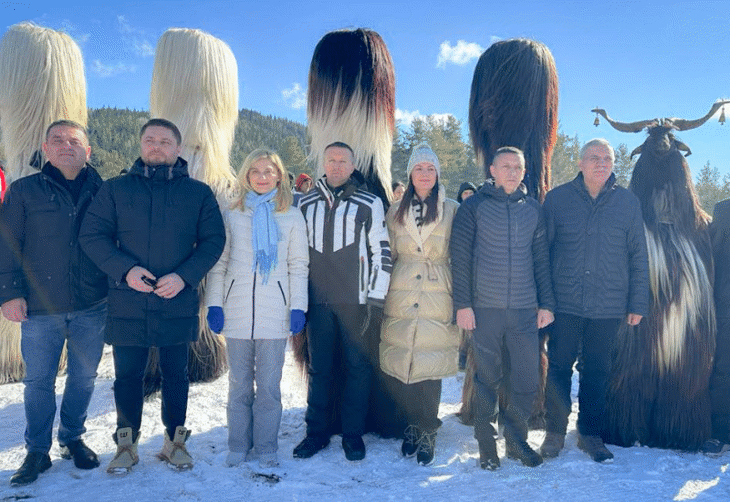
x=418 y=340
x=253 y=310
x=499 y=252
x=600 y=265
x=165 y=221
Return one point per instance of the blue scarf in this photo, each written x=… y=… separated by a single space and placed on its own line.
x=264 y=232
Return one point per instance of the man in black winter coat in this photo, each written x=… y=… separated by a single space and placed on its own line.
x=502 y=291
x=155 y=232
x=720 y=379
x=600 y=273
x=57 y=294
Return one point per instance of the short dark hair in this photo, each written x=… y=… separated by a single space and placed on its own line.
x=508 y=149
x=340 y=144
x=67 y=123
x=162 y=123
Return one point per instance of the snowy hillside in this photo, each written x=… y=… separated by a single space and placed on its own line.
x=636 y=474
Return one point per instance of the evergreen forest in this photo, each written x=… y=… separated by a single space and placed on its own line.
x=113 y=135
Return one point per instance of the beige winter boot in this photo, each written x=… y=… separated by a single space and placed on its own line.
x=174 y=452
x=126 y=455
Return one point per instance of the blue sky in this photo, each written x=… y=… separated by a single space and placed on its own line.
x=638 y=60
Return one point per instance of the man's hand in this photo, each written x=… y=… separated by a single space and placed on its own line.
x=15 y=310
x=169 y=286
x=465 y=319
x=544 y=318
x=633 y=319
x=134 y=279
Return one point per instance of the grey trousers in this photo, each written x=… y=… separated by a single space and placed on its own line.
x=254 y=417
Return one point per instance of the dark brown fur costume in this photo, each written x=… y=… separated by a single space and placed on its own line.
x=514 y=102
x=351 y=98
x=658 y=393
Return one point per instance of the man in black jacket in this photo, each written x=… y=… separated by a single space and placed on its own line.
x=720 y=379
x=600 y=273
x=502 y=291
x=349 y=269
x=50 y=286
x=155 y=232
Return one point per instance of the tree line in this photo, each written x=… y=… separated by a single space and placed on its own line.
x=114 y=139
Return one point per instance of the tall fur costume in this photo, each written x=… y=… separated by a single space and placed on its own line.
x=351 y=98
x=659 y=389
x=514 y=102
x=195 y=86
x=41 y=80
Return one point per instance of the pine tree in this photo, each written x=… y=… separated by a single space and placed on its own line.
x=709 y=191
x=623 y=165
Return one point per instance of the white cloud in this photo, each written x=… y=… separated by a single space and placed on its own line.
x=124 y=26
x=143 y=48
x=406 y=118
x=104 y=70
x=74 y=32
x=459 y=54
x=296 y=97
x=134 y=38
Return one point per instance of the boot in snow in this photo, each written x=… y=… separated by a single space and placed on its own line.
x=410 y=441
x=426 y=448
x=174 y=452
x=126 y=455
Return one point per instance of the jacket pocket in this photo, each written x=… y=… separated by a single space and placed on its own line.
x=283 y=296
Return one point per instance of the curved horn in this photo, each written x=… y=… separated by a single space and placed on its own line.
x=685 y=125
x=625 y=126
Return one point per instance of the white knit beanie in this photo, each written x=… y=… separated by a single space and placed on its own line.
x=423 y=153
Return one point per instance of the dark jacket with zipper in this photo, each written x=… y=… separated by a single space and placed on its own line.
x=499 y=252
x=163 y=220
x=600 y=266
x=40 y=256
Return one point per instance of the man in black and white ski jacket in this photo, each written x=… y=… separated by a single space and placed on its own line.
x=349 y=268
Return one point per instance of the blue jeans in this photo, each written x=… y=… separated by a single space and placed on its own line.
x=41 y=343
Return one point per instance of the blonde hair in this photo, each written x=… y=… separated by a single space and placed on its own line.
x=283 y=196
x=195 y=86
x=41 y=80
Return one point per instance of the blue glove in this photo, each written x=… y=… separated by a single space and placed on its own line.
x=297 y=321
x=215 y=319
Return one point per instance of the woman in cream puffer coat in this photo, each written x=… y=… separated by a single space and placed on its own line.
x=419 y=344
x=257 y=296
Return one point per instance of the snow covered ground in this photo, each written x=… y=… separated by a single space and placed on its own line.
x=636 y=474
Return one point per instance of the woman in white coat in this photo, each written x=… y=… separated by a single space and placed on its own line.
x=257 y=295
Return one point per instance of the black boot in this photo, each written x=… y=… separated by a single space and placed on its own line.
x=426 y=448
x=83 y=456
x=518 y=449
x=310 y=445
x=488 y=458
x=410 y=441
x=34 y=464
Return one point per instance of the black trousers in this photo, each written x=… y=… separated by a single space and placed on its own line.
x=590 y=342
x=415 y=403
x=334 y=328
x=515 y=331
x=720 y=383
x=129 y=368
